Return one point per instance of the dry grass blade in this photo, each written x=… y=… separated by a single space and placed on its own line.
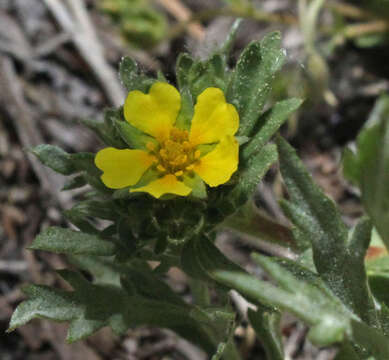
x=75 y=21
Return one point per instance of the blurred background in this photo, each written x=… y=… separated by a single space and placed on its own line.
x=58 y=65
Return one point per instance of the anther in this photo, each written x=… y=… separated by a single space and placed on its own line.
x=197 y=154
x=179 y=173
x=150 y=146
x=163 y=153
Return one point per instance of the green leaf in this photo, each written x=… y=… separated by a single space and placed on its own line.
x=106 y=130
x=80 y=221
x=338 y=259
x=142 y=24
x=369 y=167
x=347 y=352
x=90 y=307
x=253 y=172
x=183 y=66
x=300 y=298
x=205 y=74
x=351 y=167
x=85 y=161
x=97 y=209
x=66 y=241
x=130 y=76
x=379 y=285
x=228 y=44
x=251 y=81
x=104 y=270
x=331 y=322
x=266 y=323
x=199 y=256
x=268 y=124
x=184 y=118
x=133 y=137
x=369 y=341
x=199 y=189
x=75 y=183
x=64 y=163
x=146 y=283
x=55 y=158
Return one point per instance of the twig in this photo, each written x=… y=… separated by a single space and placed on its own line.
x=13 y=266
x=182 y=13
x=373 y=27
x=52 y=44
x=157 y=348
x=242 y=305
x=294 y=341
x=190 y=351
x=348 y=10
x=12 y=96
x=14 y=40
x=84 y=37
x=248 y=13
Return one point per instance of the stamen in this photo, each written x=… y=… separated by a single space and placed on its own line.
x=176 y=154
x=186 y=145
x=150 y=146
x=163 y=153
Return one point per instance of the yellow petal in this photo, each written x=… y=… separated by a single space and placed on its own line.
x=213 y=118
x=122 y=168
x=217 y=166
x=153 y=113
x=165 y=185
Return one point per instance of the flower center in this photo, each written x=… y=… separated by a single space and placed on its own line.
x=176 y=155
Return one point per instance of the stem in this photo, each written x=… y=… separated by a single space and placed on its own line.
x=373 y=27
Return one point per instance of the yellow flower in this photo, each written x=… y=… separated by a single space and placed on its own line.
x=177 y=157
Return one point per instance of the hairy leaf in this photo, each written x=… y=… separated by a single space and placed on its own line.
x=55 y=158
x=66 y=241
x=369 y=167
x=266 y=323
x=251 y=81
x=339 y=260
x=268 y=124
x=254 y=170
x=130 y=76
x=75 y=183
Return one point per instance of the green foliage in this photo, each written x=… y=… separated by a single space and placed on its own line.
x=174 y=231
x=62 y=162
x=266 y=323
x=251 y=81
x=317 y=220
x=66 y=241
x=368 y=168
x=131 y=77
x=90 y=307
x=268 y=124
x=106 y=130
x=140 y=23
